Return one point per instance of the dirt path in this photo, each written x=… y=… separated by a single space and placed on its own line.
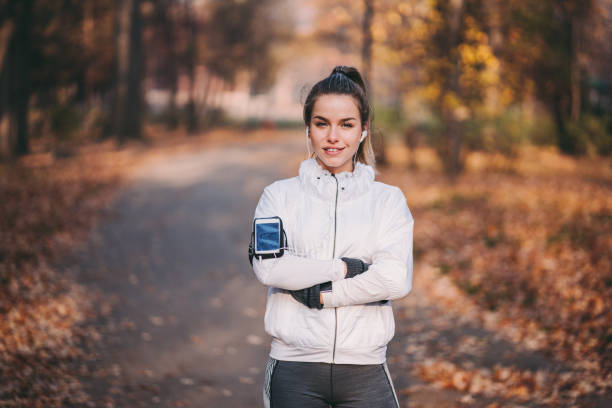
x=187 y=323
x=186 y=329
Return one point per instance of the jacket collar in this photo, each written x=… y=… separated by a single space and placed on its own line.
x=321 y=183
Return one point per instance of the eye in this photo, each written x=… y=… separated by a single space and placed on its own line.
x=320 y=124
x=347 y=125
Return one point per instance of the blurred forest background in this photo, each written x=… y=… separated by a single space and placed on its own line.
x=457 y=75
x=495 y=118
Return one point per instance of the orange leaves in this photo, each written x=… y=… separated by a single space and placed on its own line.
x=46 y=324
x=501 y=381
x=527 y=254
x=46 y=208
x=535 y=244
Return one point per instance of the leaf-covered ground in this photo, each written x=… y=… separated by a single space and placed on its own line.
x=47 y=207
x=524 y=250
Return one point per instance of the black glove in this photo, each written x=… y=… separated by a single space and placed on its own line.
x=311 y=296
x=354 y=267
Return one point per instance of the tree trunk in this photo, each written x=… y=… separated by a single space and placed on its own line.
x=169 y=65
x=21 y=74
x=172 y=122
x=134 y=103
x=494 y=14
x=205 y=100
x=366 y=61
x=575 y=79
x=7 y=51
x=495 y=17
x=366 y=49
x=84 y=89
x=565 y=141
x=128 y=93
x=192 y=55
x=453 y=126
x=122 y=28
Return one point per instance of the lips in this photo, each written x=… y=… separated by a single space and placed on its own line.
x=332 y=151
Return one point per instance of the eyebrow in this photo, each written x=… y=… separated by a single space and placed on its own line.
x=327 y=120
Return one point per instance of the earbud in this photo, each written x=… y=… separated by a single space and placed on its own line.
x=363 y=135
x=308 y=146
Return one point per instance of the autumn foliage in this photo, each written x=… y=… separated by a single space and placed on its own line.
x=527 y=248
x=47 y=208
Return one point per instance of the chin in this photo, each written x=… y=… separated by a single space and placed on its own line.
x=336 y=162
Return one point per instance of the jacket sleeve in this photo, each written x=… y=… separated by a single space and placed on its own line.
x=291 y=272
x=389 y=276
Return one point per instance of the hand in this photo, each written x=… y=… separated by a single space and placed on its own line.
x=311 y=297
x=354 y=267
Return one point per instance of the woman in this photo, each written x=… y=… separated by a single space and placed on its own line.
x=348 y=253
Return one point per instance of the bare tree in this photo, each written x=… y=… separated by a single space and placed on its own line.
x=191 y=61
x=128 y=93
x=15 y=76
x=366 y=62
x=453 y=127
x=366 y=49
x=166 y=51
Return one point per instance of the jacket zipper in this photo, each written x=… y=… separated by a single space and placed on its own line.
x=333 y=256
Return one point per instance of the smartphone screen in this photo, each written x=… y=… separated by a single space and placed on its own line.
x=267 y=237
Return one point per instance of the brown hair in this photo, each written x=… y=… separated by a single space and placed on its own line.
x=345 y=80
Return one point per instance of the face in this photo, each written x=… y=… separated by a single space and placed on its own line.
x=335 y=130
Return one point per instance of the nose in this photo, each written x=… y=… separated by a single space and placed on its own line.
x=332 y=136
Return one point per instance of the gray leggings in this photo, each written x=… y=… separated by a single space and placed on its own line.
x=298 y=384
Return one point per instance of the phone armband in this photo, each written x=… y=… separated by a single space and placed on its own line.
x=268 y=238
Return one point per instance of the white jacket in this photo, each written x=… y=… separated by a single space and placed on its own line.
x=327 y=217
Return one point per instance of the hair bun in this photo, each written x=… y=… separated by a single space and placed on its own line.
x=351 y=73
x=340 y=69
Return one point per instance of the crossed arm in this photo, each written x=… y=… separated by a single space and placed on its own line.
x=388 y=277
